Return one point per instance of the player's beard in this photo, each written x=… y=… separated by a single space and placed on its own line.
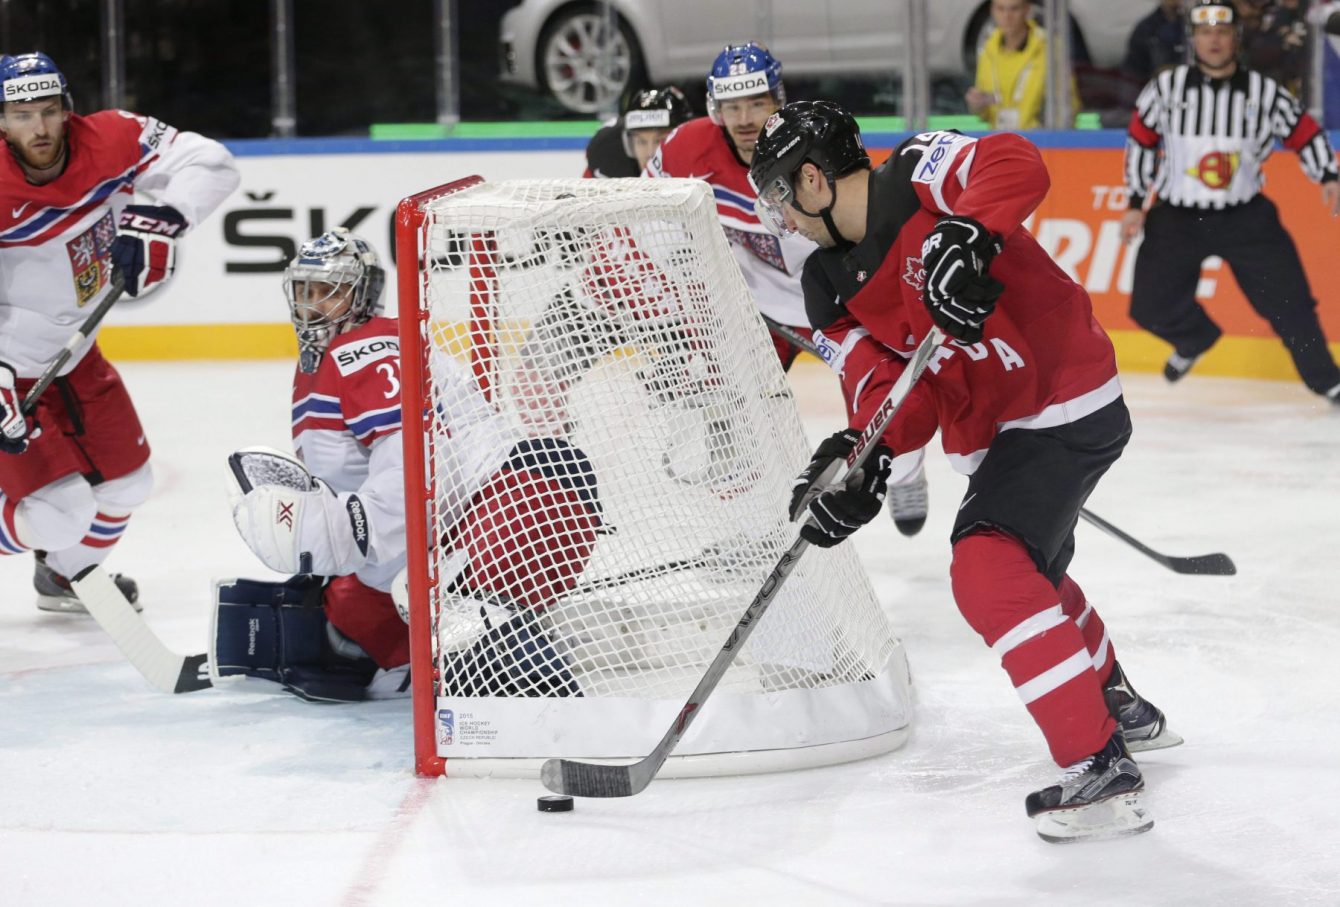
x=49 y=155
x=745 y=143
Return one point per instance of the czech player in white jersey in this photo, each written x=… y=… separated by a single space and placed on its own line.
x=334 y=515
x=744 y=88
x=79 y=463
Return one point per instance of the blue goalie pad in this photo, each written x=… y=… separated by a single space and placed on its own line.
x=512 y=658
x=279 y=632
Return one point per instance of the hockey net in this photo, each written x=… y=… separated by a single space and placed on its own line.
x=597 y=470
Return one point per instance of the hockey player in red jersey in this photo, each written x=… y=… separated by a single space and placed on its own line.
x=67 y=227
x=622 y=147
x=1026 y=398
x=335 y=515
x=744 y=88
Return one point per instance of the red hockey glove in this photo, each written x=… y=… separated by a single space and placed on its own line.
x=144 y=250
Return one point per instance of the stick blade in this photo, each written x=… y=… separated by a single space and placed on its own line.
x=584 y=779
x=1216 y=564
x=194 y=674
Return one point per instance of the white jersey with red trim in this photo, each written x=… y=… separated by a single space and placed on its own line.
x=771 y=264
x=346 y=429
x=55 y=239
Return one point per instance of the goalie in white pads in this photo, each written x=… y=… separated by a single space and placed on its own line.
x=522 y=525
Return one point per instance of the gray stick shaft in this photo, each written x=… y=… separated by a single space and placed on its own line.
x=88 y=327
x=588 y=780
x=792 y=336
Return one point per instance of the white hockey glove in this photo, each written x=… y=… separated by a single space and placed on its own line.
x=16 y=429
x=145 y=248
x=293 y=522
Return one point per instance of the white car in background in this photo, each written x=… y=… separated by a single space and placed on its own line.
x=557 y=46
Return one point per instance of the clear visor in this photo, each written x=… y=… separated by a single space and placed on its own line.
x=1212 y=15
x=772 y=202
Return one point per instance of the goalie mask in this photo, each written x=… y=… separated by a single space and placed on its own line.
x=334 y=285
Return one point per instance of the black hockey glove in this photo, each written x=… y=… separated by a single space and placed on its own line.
x=960 y=294
x=840 y=512
x=15 y=428
x=145 y=248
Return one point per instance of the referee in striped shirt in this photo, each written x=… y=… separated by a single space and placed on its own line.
x=1198 y=137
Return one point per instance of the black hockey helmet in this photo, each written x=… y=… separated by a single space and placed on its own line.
x=820 y=132
x=655 y=108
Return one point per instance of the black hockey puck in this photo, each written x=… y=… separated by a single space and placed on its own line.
x=554 y=803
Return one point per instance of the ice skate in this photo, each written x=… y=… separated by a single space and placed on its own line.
x=1142 y=724
x=1177 y=366
x=54 y=592
x=909 y=502
x=1097 y=797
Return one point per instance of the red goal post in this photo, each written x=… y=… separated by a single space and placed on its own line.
x=599 y=336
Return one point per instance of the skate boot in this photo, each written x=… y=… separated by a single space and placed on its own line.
x=54 y=592
x=909 y=502
x=1098 y=797
x=1177 y=366
x=1142 y=724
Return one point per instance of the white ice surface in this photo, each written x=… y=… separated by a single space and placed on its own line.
x=111 y=793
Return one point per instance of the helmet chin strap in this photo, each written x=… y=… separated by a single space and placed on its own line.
x=825 y=214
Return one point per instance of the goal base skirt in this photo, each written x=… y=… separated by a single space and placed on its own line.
x=738 y=734
x=707 y=765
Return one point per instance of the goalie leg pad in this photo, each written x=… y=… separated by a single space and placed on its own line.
x=528 y=537
x=511 y=658
x=279 y=632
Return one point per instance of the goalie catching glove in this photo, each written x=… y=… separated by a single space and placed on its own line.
x=15 y=428
x=293 y=522
x=145 y=248
x=838 y=512
x=960 y=294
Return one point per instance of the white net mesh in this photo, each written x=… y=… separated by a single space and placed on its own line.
x=609 y=453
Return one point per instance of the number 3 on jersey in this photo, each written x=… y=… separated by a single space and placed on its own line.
x=389 y=372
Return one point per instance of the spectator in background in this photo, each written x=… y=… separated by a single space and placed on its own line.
x=1158 y=40
x=1011 y=86
x=1274 y=40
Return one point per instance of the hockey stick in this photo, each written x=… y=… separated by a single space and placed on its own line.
x=1202 y=565
x=586 y=779
x=1216 y=564
x=87 y=328
x=165 y=669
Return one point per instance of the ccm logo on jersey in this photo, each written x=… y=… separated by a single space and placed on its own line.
x=928 y=171
x=349 y=359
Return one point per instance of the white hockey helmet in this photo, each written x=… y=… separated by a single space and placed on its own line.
x=339 y=266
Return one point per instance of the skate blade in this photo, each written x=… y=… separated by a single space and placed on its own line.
x=66 y=604
x=1114 y=817
x=1160 y=741
x=60 y=604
